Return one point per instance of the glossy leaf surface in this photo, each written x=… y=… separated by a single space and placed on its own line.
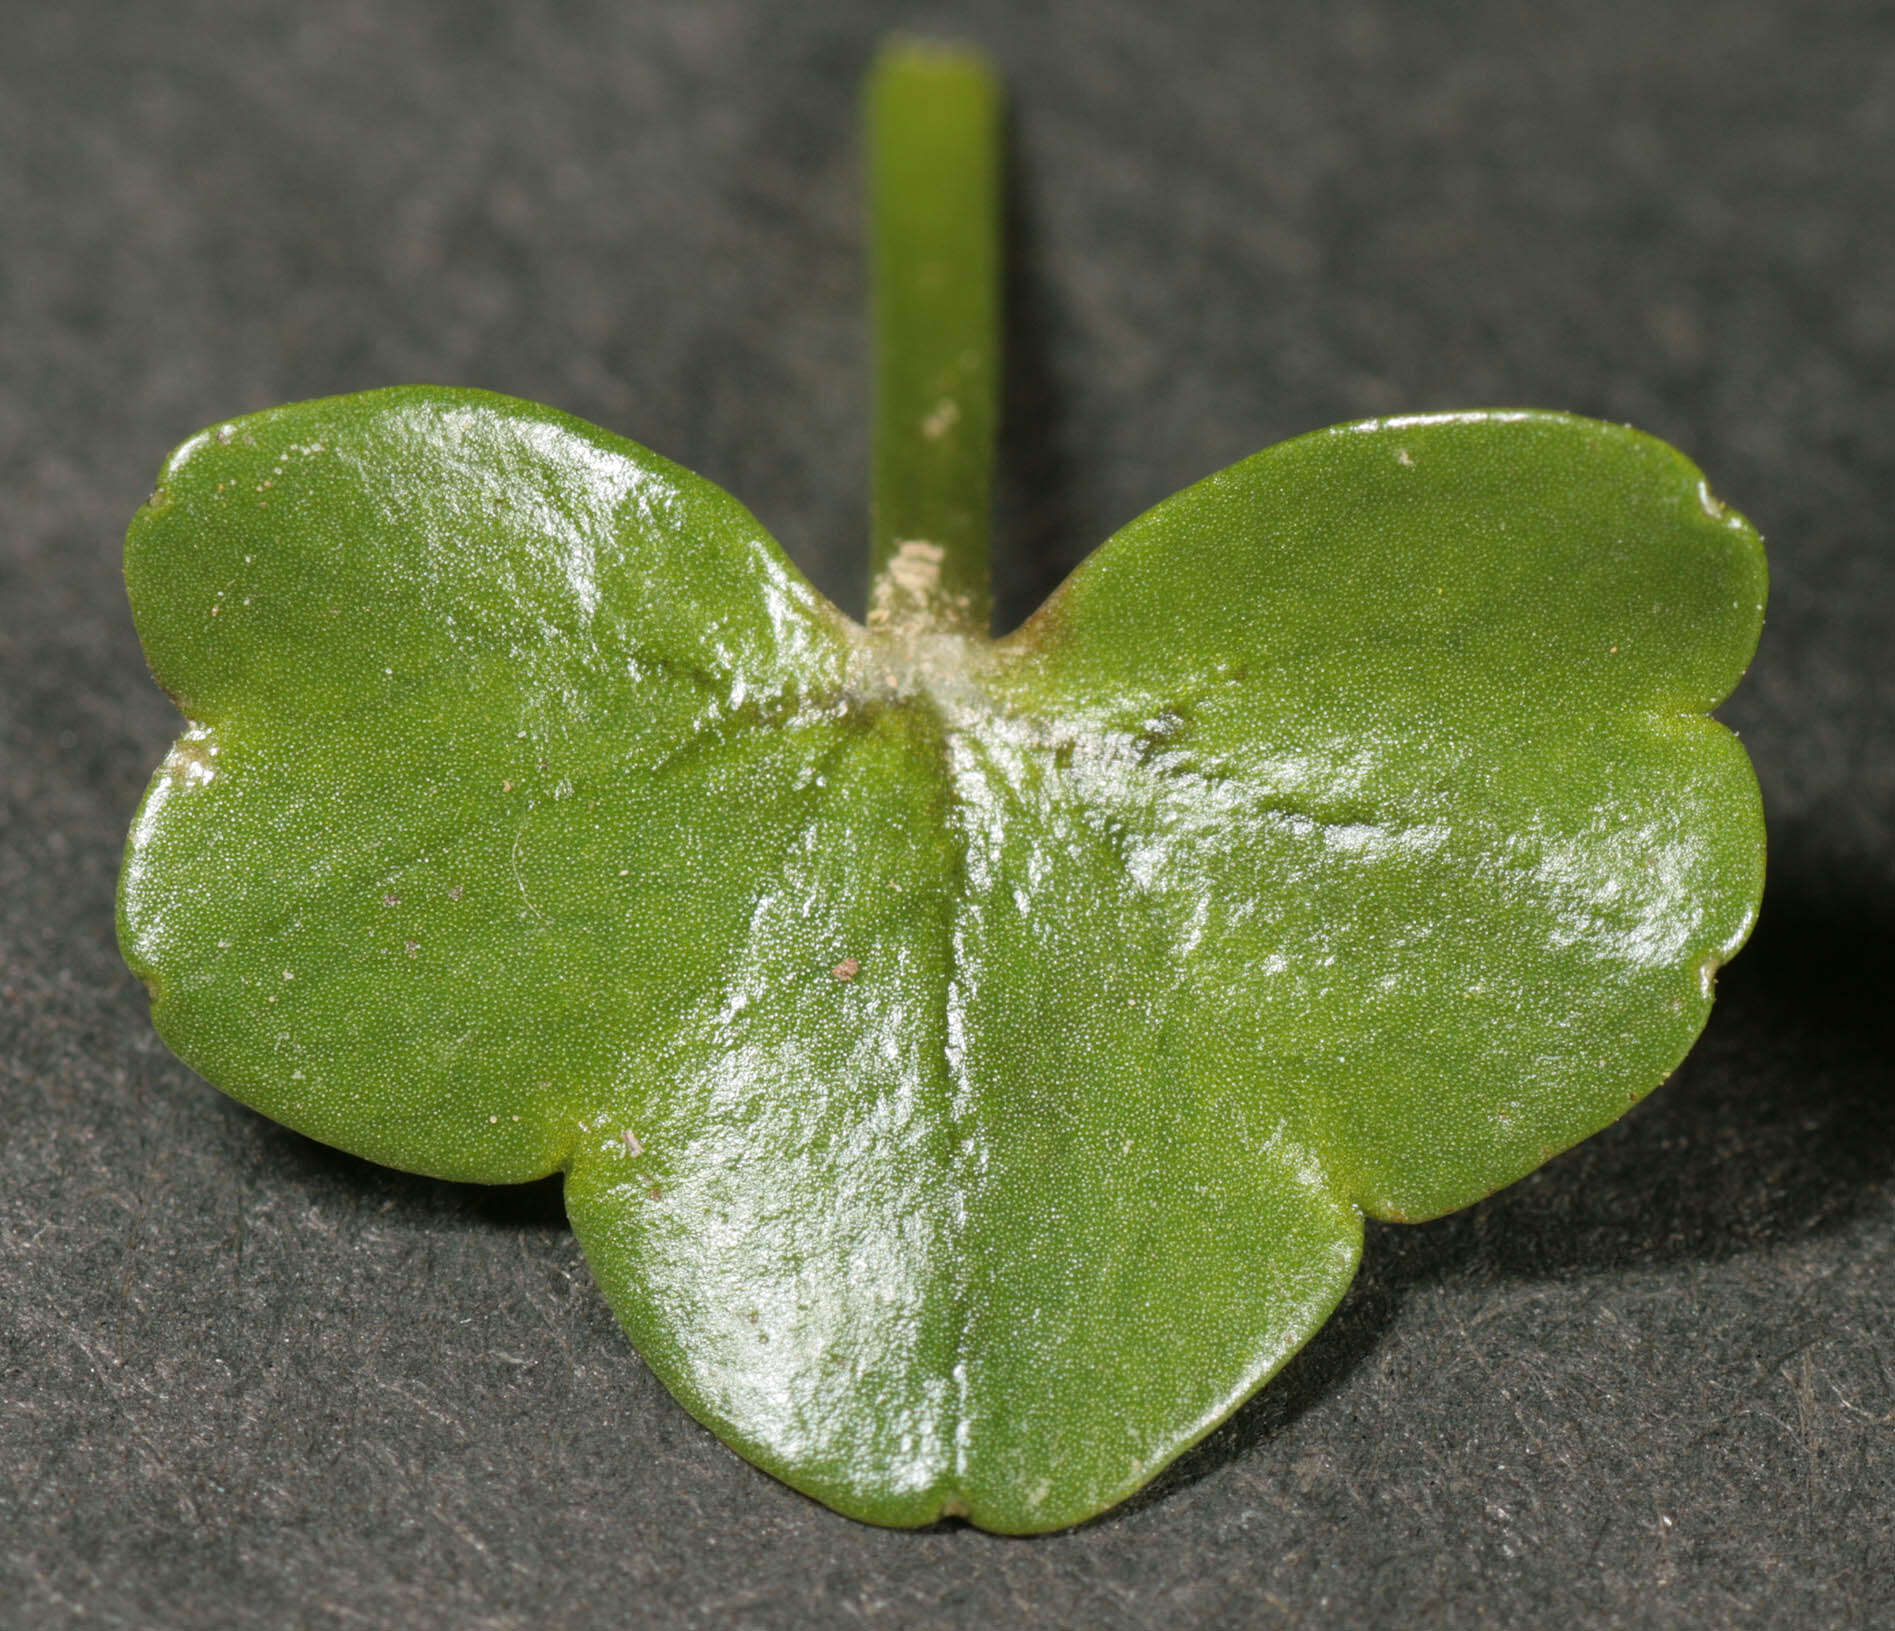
x=971 y=1061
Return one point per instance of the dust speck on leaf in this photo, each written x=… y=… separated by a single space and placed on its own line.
x=1707 y=975
x=632 y=1146
x=946 y=415
x=189 y=762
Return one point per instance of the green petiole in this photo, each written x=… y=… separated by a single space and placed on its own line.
x=933 y=130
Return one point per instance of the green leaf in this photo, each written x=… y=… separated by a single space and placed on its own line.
x=971 y=1061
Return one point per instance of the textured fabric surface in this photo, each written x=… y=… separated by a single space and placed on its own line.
x=244 y=1380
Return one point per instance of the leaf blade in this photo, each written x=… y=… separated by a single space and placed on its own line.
x=1330 y=628
x=407 y=711
x=970 y=1062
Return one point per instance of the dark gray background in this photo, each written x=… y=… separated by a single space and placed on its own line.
x=248 y=1381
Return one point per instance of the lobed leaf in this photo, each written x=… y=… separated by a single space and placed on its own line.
x=970 y=1061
